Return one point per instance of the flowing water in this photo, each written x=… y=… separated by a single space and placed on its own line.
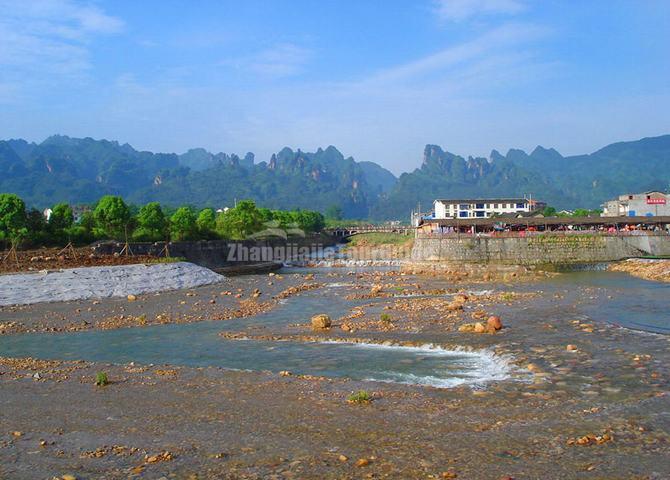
x=630 y=302
x=634 y=303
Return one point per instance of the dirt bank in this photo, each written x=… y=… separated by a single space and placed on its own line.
x=57 y=258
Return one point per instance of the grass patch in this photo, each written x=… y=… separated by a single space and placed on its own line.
x=385 y=317
x=507 y=296
x=378 y=238
x=359 y=397
x=166 y=260
x=101 y=379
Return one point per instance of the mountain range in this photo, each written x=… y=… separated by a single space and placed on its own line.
x=80 y=170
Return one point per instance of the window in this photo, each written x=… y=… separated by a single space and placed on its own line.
x=480 y=214
x=463 y=214
x=479 y=206
x=520 y=205
x=464 y=206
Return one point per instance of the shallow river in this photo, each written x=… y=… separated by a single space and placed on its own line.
x=634 y=303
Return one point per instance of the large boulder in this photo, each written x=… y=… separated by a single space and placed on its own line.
x=321 y=321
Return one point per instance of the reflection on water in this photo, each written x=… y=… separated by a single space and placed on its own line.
x=623 y=299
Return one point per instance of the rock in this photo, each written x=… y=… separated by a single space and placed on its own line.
x=531 y=367
x=285 y=373
x=571 y=348
x=321 y=321
x=454 y=306
x=131 y=298
x=67 y=476
x=346 y=327
x=494 y=322
x=362 y=462
x=461 y=298
x=37 y=376
x=479 y=328
x=343 y=458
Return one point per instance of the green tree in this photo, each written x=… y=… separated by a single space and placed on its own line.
x=151 y=223
x=183 y=224
x=206 y=223
x=549 y=211
x=37 y=231
x=112 y=217
x=309 y=221
x=240 y=222
x=12 y=218
x=61 y=218
x=83 y=231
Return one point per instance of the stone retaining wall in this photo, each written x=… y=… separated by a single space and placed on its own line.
x=221 y=253
x=539 y=249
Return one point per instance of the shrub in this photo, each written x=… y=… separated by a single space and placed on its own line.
x=359 y=397
x=385 y=317
x=101 y=379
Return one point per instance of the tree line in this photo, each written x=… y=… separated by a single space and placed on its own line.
x=111 y=218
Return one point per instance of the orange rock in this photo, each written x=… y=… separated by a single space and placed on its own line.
x=494 y=322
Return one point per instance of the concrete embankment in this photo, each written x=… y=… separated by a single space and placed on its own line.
x=101 y=282
x=224 y=254
x=540 y=249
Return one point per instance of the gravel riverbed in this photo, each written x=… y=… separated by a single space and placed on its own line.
x=587 y=399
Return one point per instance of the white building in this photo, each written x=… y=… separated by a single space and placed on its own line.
x=647 y=204
x=484 y=207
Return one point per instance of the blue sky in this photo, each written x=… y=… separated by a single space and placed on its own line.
x=377 y=79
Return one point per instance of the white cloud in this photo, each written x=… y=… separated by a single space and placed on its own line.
x=495 y=40
x=458 y=10
x=388 y=116
x=47 y=37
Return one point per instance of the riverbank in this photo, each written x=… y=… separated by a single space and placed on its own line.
x=40 y=259
x=232 y=298
x=584 y=399
x=651 y=269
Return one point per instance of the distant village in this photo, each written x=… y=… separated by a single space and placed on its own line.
x=638 y=211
